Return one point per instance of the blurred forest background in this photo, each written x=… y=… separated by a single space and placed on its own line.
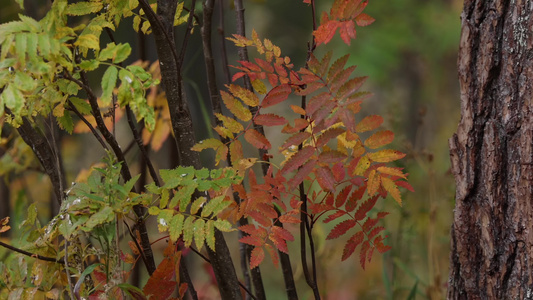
x=409 y=54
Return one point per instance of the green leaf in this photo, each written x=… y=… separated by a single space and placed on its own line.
x=223 y=225
x=108 y=84
x=20 y=46
x=210 y=234
x=164 y=218
x=81 y=105
x=65 y=122
x=176 y=227
x=104 y=215
x=199 y=233
x=129 y=185
x=24 y=82
x=83 y=8
x=89 y=65
x=211 y=205
x=197 y=204
x=188 y=231
x=122 y=52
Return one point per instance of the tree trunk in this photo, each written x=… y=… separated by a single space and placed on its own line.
x=492 y=154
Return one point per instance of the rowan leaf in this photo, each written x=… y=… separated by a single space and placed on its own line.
x=351 y=244
x=379 y=139
x=369 y=123
x=317 y=102
x=392 y=171
x=256 y=139
x=341 y=198
x=335 y=216
x=364 y=208
x=109 y=80
x=364 y=20
x=302 y=173
x=362 y=255
x=269 y=120
x=282 y=233
x=252 y=240
x=160 y=285
x=378 y=242
x=298 y=159
x=328 y=135
x=83 y=8
x=231 y=124
x=337 y=67
x=298 y=110
x=325 y=179
x=188 y=231
x=341 y=229
x=373 y=183
x=235 y=151
x=390 y=186
x=236 y=107
x=405 y=185
x=199 y=233
x=256 y=257
x=176 y=227
x=362 y=165
x=276 y=95
x=197 y=204
x=248 y=97
x=331 y=157
x=223 y=225
x=384 y=156
x=296 y=139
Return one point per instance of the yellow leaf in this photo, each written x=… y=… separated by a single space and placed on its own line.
x=373 y=183
x=390 y=186
x=362 y=166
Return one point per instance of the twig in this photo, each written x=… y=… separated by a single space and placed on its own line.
x=37 y=256
x=89 y=125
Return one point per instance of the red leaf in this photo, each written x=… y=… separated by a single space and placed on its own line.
x=341 y=229
x=369 y=223
x=265 y=65
x=276 y=95
x=337 y=67
x=299 y=124
x=364 y=208
x=331 y=157
x=328 y=135
x=326 y=30
x=362 y=254
x=250 y=66
x=347 y=31
x=348 y=118
x=269 y=120
x=316 y=102
x=379 y=139
x=378 y=242
x=338 y=172
x=325 y=179
x=350 y=87
x=273 y=254
x=252 y=240
x=369 y=123
x=160 y=285
x=302 y=173
x=354 y=198
x=375 y=231
x=257 y=256
x=298 y=159
x=406 y=185
x=334 y=216
x=296 y=139
x=279 y=242
x=342 y=196
x=351 y=244
x=282 y=233
x=289 y=218
x=256 y=139
x=364 y=20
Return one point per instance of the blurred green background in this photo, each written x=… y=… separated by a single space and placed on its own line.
x=409 y=54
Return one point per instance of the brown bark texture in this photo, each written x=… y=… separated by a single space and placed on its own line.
x=492 y=154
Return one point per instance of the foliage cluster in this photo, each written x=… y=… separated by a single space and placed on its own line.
x=334 y=166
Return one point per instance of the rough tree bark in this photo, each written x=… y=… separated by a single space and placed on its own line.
x=492 y=154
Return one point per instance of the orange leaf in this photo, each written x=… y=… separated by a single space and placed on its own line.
x=369 y=123
x=392 y=171
x=256 y=139
x=298 y=110
x=373 y=183
x=364 y=20
x=384 y=156
x=257 y=256
x=246 y=96
x=379 y=139
x=331 y=157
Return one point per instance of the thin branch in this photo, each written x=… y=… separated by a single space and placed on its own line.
x=225 y=63
x=37 y=256
x=89 y=125
x=138 y=140
x=186 y=37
